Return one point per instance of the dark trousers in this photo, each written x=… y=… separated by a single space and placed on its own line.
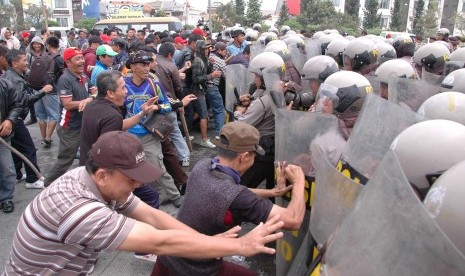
x=22 y=141
x=67 y=149
x=188 y=111
x=262 y=168
x=32 y=112
x=172 y=163
x=228 y=269
x=148 y=195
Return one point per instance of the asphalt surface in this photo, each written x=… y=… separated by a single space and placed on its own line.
x=115 y=262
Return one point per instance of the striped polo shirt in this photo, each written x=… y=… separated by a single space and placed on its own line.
x=65 y=227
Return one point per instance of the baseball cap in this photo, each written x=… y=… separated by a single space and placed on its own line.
x=105 y=38
x=239 y=137
x=105 y=50
x=139 y=57
x=219 y=46
x=199 y=32
x=179 y=39
x=95 y=39
x=122 y=151
x=70 y=52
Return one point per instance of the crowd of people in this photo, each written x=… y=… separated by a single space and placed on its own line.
x=126 y=104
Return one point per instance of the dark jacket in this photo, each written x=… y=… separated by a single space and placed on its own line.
x=10 y=106
x=201 y=68
x=185 y=55
x=90 y=59
x=168 y=74
x=22 y=90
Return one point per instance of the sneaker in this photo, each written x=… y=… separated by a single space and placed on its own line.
x=39 y=184
x=177 y=202
x=190 y=138
x=185 y=162
x=207 y=144
x=47 y=143
x=23 y=177
x=217 y=137
x=91 y=270
x=146 y=257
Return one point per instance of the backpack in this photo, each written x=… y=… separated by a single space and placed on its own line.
x=41 y=71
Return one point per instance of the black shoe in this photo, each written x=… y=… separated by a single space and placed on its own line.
x=47 y=143
x=8 y=206
x=31 y=122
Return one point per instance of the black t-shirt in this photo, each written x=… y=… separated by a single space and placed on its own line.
x=248 y=207
x=99 y=116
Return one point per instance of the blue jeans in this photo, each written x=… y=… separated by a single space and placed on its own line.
x=7 y=174
x=48 y=108
x=176 y=136
x=215 y=101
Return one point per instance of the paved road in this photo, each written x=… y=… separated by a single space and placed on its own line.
x=109 y=263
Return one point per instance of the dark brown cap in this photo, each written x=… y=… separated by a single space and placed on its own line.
x=95 y=39
x=122 y=151
x=219 y=46
x=239 y=137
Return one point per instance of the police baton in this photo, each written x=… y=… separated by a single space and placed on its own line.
x=24 y=158
x=186 y=130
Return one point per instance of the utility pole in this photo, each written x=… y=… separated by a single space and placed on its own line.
x=210 y=25
x=44 y=11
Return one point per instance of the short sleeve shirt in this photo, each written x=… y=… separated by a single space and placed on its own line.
x=65 y=227
x=69 y=85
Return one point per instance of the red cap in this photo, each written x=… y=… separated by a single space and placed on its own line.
x=25 y=34
x=122 y=151
x=179 y=39
x=71 y=52
x=105 y=38
x=199 y=32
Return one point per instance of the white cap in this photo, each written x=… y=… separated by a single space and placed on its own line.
x=32 y=29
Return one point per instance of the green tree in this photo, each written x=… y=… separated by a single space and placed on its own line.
x=396 y=17
x=18 y=4
x=459 y=19
x=283 y=15
x=372 y=18
x=428 y=24
x=418 y=14
x=240 y=12
x=7 y=15
x=35 y=16
x=225 y=17
x=317 y=13
x=160 y=13
x=254 y=14
x=86 y=23
x=352 y=8
x=308 y=9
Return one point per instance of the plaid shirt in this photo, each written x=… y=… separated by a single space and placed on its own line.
x=218 y=65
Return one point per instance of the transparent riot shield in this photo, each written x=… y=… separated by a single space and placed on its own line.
x=313 y=48
x=389 y=232
x=274 y=87
x=256 y=49
x=378 y=124
x=410 y=93
x=237 y=83
x=298 y=56
x=295 y=131
x=375 y=83
x=431 y=78
x=334 y=196
x=451 y=66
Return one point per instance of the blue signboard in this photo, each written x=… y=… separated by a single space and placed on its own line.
x=91 y=8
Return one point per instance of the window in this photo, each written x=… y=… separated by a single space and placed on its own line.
x=336 y=3
x=384 y=4
x=384 y=22
x=62 y=21
x=60 y=4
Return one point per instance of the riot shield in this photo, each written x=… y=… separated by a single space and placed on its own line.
x=375 y=83
x=237 y=83
x=297 y=56
x=256 y=49
x=295 y=131
x=274 y=87
x=410 y=93
x=431 y=78
x=389 y=232
x=313 y=48
x=378 y=124
x=334 y=196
